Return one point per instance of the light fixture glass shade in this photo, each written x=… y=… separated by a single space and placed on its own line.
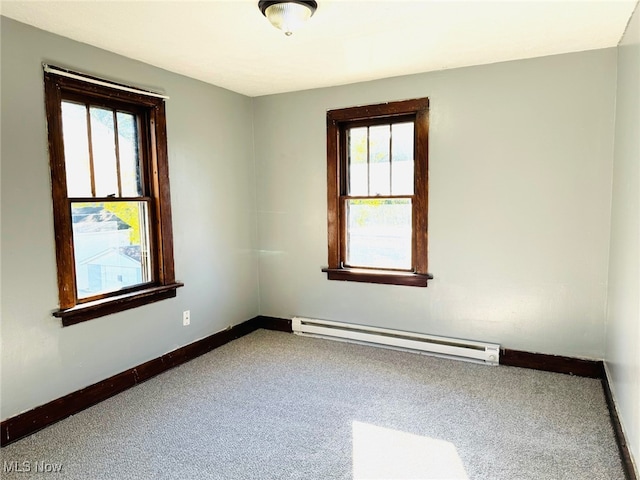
x=288 y=16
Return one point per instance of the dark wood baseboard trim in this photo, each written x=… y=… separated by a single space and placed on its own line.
x=275 y=323
x=552 y=363
x=625 y=454
x=20 y=426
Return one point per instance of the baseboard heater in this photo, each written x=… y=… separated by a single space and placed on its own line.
x=467 y=350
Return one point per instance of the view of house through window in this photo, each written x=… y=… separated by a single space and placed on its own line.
x=110 y=244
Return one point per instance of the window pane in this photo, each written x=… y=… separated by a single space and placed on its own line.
x=379 y=166
x=379 y=233
x=358 y=168
x=76 y=149
x=402 y=158
x=111 y=246
x=129 y=160
x=104 y=152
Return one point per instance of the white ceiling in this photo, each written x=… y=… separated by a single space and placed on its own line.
x=230 y=43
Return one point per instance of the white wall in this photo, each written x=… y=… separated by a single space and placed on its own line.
x=214 y=222
x=622 y=354
x=520 y=188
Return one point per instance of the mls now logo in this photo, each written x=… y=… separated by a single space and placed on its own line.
x=28 y=467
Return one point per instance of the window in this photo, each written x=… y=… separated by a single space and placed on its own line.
x=111 y=202
x=377 y=181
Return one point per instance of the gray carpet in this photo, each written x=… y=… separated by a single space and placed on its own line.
x=274 y=405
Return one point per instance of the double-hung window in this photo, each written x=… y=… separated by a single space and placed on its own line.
x=377 y=178
x=110 y=186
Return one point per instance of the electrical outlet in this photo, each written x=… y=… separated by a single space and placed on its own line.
x=186 y=317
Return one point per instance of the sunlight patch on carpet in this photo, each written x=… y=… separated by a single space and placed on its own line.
x=383 y=453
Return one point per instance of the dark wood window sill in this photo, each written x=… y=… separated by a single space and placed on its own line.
x=106 y=306
x=386 y=277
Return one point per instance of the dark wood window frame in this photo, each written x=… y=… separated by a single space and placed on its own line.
x=152 y=124
x=338 y=121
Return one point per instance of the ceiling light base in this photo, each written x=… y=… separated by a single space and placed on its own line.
x=287 y=15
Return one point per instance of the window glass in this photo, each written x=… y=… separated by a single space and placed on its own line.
x=129 y=155
x=103 y=144
x=379 y=233
x=358 y=162
x=402 y=140
x=110 y=241
x=379 y=165
x=76 y=149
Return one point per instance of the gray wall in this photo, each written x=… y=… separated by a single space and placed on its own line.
x=214 y=222
x=520 y=189
x=622 y=355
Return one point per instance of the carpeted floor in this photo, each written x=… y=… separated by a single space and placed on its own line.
x=273 y=405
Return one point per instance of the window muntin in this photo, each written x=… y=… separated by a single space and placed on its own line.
x=377 y=193
x=110 y=189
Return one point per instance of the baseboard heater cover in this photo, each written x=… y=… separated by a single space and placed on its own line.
x=478 y=352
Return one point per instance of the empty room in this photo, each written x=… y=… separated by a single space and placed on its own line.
x=325 y=239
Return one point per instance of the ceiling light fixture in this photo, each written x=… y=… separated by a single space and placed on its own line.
x=289 y=15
